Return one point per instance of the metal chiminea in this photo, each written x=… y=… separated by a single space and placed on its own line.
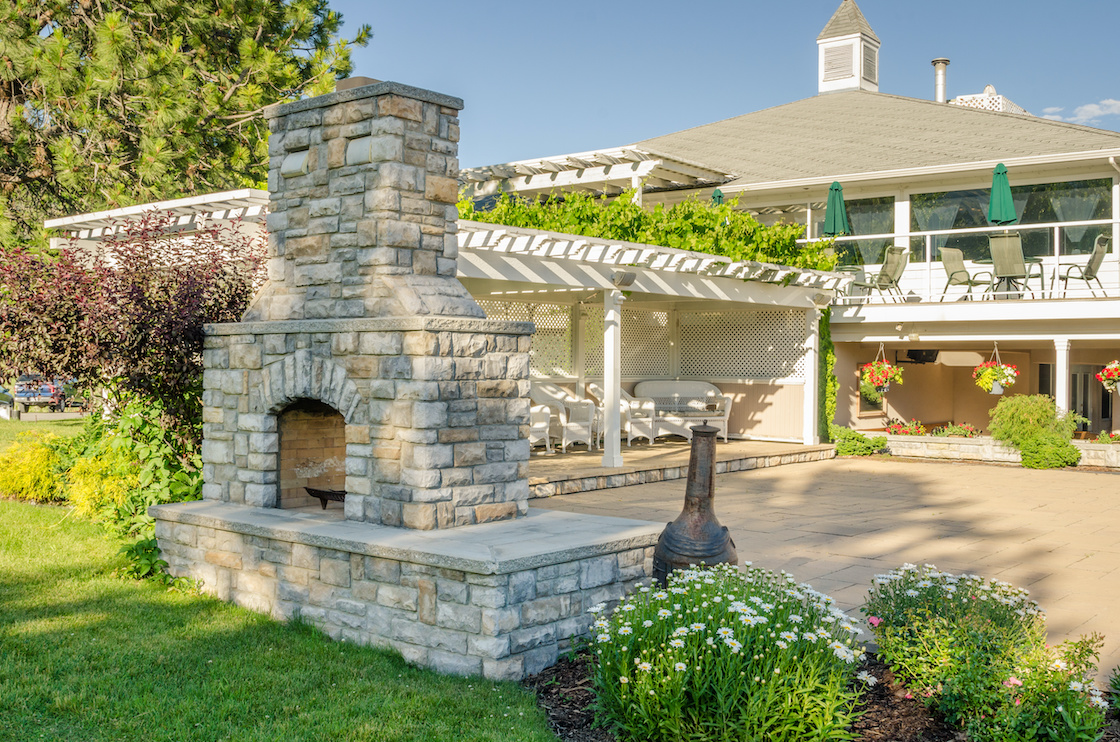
x=696 y=536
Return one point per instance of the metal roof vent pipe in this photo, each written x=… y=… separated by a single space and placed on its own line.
x=939 y=66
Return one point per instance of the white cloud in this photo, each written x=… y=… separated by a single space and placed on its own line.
x=1086 y=114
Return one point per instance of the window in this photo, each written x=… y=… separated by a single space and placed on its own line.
x=1070 y=201
x=865 y=216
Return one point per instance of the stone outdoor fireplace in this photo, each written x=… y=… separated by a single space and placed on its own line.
x=363 y=316
x=365 y=366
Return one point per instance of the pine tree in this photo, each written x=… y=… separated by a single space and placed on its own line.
x=111 y=102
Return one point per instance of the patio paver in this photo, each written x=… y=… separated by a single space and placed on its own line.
x=837 y=523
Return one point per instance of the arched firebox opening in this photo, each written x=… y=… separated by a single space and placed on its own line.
x=312 y=453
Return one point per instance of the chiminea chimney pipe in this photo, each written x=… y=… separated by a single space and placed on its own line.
x=939 y=66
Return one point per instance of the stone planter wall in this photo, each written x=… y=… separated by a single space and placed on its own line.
x=986 y=449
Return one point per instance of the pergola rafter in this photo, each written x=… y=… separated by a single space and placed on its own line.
x=604 y=172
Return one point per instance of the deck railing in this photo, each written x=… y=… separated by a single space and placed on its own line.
x=1055 y=246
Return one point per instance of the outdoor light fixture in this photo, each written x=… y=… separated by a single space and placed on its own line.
x=622 y=279
x=820 y=301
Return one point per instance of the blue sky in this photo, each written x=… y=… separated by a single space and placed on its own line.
x=550 y=78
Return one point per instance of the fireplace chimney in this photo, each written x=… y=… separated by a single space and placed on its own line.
x=939 y=66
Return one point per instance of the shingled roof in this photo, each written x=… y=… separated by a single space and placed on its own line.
x=863 y=132
x=847 y=20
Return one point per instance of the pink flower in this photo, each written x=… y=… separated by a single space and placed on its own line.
x=1012 y=682
x=874 y=620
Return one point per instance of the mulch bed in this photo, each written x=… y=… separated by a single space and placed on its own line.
x=564 y=692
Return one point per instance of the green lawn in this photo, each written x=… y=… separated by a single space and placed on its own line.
x=88 y=656
x=9 y=429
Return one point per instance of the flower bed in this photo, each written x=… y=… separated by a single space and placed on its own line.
x=726 y=654
x=975 y=649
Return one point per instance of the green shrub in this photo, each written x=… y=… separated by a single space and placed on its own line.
x=852 y=443
x=1048 y=450
x=1107 y=437
x=30 y=468
x=975 y=650
x=724 y=654
x=1022 y=416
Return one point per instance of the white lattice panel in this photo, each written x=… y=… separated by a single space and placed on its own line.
x=593 y=342
x=550 y=353
x=645 y=343
x=757 y=344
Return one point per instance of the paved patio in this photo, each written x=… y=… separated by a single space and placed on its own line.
x=837 y=523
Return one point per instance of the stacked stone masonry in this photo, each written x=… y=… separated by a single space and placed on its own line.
x=434 y=412
x=500 y=626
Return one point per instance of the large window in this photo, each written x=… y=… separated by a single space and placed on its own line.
x=1071 y=201
x=865 y=216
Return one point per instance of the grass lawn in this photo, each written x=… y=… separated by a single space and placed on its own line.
x=9 y=429
x=88 y=656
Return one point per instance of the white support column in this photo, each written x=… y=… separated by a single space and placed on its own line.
x=811 y=430
x=1061 y=374
x=636 y=185
x=612 y=377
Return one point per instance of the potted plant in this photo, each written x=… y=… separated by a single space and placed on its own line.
x=993 y=376
x=879 y=374
x=1109 y=376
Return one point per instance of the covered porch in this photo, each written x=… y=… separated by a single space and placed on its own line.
x=614 y=314
x=1057 y=346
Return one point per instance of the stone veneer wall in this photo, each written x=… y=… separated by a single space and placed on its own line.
x=984 y=448
x=455 y=607
x=434 y=410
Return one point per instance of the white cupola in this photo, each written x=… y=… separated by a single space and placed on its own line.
x=848 y=52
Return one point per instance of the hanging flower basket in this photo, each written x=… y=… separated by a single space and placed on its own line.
x=1109 y=376
x=880 y=374
x=993 y=376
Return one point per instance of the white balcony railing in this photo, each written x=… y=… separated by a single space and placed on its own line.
x=924 y=278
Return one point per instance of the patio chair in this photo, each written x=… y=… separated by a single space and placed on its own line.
x=894 y=263
x=1009 y=268
x=540 y=420
x=572 y=419
x=1088 y=272
x=638 y=414
x=953 y=261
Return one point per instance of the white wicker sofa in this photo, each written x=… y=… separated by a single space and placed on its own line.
x=682 y=404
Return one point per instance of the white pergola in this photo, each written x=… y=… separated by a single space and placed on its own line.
x=248 y=204
x=517 y=263
x=604 y=172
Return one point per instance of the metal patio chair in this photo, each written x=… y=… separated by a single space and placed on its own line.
x=1010 y=269
x=953 y=261
x=894 y=263
x=1088 y=272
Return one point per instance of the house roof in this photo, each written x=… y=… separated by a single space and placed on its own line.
x=857 y=131
x=847 y=20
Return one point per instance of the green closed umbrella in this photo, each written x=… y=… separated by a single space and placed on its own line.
x=1001 y=207
x=835 y=215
